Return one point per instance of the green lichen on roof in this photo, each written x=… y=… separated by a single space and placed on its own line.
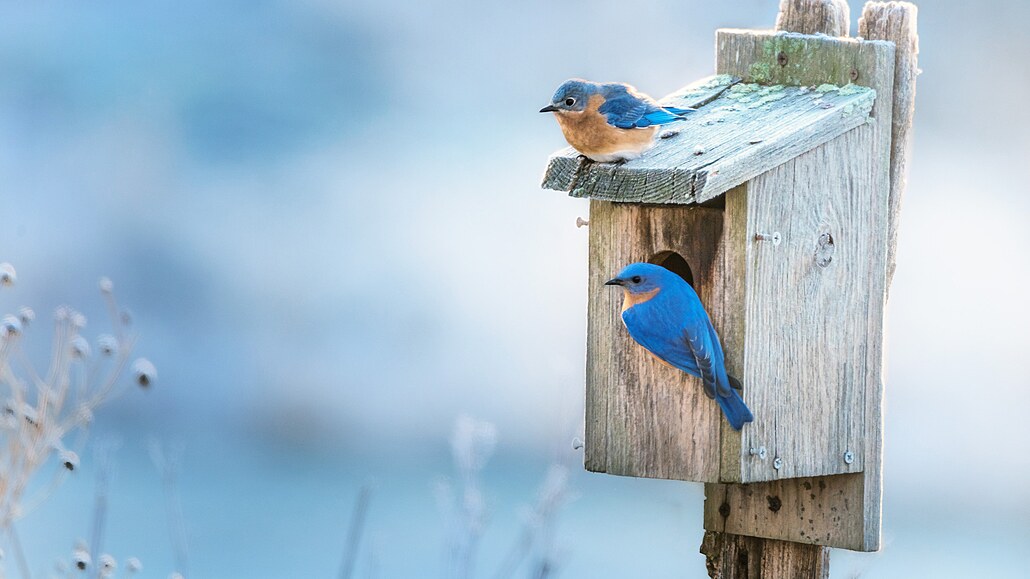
x=754 y=95
x=718 y=80
x=851 y=89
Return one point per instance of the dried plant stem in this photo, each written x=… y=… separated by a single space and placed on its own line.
x=168 y=465
x=19 y=553
x=357 y=525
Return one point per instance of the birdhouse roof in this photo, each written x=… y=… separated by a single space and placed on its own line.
x=738 y=132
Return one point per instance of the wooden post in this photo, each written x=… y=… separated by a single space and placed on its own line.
x=737 y=557
x=896 y=22
x=829 y=17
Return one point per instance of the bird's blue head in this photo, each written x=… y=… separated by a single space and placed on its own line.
x=640 y=278
x=571 y=96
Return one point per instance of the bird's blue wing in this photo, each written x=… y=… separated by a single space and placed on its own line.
x=659 y=330
x=704 y=345
x=662 y=115
x=625 y=110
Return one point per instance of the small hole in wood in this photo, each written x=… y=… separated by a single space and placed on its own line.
x=824 y=250
x=675 y=263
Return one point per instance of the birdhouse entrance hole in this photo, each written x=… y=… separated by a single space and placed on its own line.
x=675 y=263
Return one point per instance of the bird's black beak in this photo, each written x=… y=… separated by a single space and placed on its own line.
x=549 y=109
x=614 y=281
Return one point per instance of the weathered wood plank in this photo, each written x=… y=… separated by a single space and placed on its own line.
x=824 y=510
x=730 y=556
x=644 y=418
x=863 y=179
x=731 y=324
x=743 y=131
x=829 y=17
x=769 y=57
x=896 y=22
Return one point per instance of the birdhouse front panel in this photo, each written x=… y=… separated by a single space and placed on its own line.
x=643 y=417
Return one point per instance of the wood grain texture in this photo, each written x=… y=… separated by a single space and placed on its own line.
x=829 y=17
x=643 y=417
x=855 y=187
x=730 y=556
x=896 y=22
x=787 y=58
x=805 y=368
x=741 y=132
x=824 y=510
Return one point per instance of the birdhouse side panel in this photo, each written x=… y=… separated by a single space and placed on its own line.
x=814 y=317
x=645 y=418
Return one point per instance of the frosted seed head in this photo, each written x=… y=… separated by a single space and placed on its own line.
x=81 y=559
x=145 y=372
x=69 y=459
x=26 y=315
x=62 y=313
x=28 y=412
x=10 y=415
x=84 y=414
x=132 y=565
x=472 y=443
x=10 y=326
x=80 y=347
x=106 y=285
x=176 y=575
x=78 y=320
x=107 y=564
x=7 y=274
x=108 y=344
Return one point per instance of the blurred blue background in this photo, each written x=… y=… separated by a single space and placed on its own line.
x=326 y=219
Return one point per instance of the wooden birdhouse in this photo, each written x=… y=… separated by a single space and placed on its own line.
x=773 y=201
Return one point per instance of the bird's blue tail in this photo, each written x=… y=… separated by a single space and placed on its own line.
x=737 y=413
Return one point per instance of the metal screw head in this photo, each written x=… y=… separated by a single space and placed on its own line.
x=774 y=237
x=849 y=457
x=580 y=222
x=777 y=463
x=759 y=452
x=577 y=443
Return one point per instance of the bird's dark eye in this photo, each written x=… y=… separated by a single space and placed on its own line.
x=635 y=279
x=570 y=101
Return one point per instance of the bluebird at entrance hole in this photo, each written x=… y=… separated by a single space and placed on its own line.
x=611 y=121
x=664 y=315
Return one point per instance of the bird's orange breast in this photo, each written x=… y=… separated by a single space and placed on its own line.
x=630 y=299
x=589 y=133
